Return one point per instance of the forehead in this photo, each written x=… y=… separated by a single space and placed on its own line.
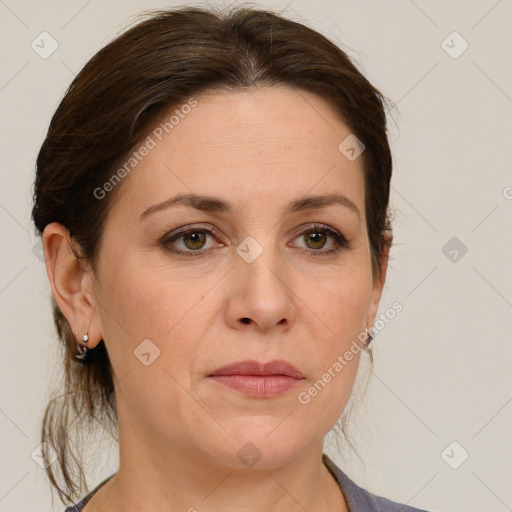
x=257 y=146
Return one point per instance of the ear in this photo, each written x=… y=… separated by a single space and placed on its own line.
x=378 y=283
x=70 y=283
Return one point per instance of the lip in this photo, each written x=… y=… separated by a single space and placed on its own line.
x=260 y=380
x=251 y=367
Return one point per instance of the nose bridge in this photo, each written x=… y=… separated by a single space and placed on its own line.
x=261 y=264
x=263 y=294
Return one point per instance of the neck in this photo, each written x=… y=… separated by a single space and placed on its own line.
x=152 y=478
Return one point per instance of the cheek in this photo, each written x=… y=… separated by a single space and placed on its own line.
x=142 y=302
x=342 y=302
x=340 y=308
x=151 y=331
x=143 y=311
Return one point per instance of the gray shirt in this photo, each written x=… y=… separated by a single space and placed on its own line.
x=358 y=499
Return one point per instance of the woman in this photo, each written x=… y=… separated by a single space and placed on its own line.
x=212 y=195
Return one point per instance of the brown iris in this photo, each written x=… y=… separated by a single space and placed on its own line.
x=196 y=239
x=316 y=237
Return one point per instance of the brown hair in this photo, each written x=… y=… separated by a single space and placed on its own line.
x=111 y=105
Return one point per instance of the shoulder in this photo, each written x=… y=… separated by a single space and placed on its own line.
x=78 y=507
x=361 y=500
x=385 y=505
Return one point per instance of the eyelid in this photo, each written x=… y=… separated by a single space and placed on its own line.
x=208 y=229
x=186 y=229
x=318 y=225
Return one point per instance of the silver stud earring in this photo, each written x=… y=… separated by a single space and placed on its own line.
x=81 y=356
x=369 y=339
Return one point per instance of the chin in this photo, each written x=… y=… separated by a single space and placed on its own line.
x=259 y=443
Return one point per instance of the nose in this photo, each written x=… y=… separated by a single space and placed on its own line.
x=260 y=295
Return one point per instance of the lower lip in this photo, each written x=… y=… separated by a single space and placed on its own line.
x=259 y=386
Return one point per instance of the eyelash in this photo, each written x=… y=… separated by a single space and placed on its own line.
x=341 y=241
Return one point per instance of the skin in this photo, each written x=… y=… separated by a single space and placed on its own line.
x=179 y=432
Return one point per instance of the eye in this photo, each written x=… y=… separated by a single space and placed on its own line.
x=190 y=242
x=317 y=236
x=193 y=241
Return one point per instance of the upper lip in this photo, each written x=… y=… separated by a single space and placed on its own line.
x=251 y=367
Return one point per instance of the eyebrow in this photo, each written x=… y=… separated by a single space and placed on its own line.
x=215 y=205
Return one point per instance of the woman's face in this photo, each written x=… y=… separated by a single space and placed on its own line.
x=251 y=280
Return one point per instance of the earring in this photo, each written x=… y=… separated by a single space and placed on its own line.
x=81 y=356
x=369 y=339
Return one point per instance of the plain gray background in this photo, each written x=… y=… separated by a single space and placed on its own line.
x=443 y=365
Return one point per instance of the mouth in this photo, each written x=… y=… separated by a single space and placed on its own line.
x=259 y=380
